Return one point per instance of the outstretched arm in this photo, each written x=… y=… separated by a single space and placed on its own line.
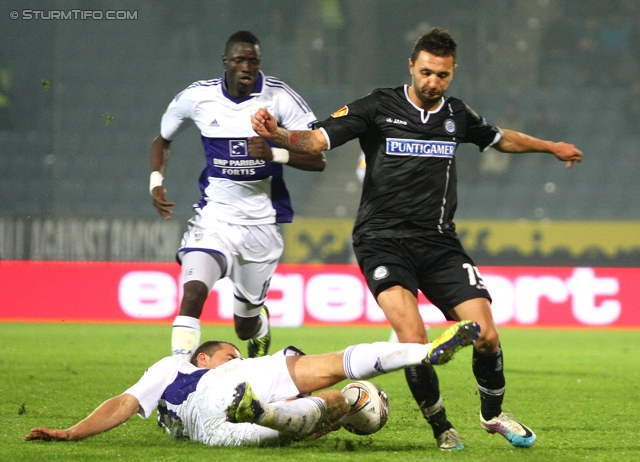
x=307 y=162
x=108 y=415
x=300 y=141
x=516 y=142
x=160 y=150
x=260 y=149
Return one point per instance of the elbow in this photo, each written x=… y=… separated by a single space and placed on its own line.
x=160 y=142
x=503 y=146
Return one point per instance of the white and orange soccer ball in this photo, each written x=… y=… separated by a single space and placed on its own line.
x=369 y=408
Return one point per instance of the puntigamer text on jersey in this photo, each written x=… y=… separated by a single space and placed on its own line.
x=400 y=147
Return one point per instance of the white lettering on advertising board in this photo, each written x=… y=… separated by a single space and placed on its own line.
x=343 y=298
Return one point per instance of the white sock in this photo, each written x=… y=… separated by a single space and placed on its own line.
x=185 y=336
x=303 y=416
x=372 y=359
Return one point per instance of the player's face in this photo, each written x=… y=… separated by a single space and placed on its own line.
x=224 y=354
x=242 y=64
x=431 y=77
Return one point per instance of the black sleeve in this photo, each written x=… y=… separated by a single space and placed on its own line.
x=479 y=132
x=350 y=121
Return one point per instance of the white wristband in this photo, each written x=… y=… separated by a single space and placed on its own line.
x=155 y=180
x=280 y=155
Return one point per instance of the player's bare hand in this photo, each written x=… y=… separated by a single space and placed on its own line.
x=260 y=149
x=162 y=205
x=47 y=434
x=568 y=153
x=263 y=123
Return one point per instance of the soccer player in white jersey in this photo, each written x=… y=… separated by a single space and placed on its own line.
x=233 y=232
x=221 y=400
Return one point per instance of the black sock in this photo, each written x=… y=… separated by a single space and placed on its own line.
x=489 y=373
x=425 y=388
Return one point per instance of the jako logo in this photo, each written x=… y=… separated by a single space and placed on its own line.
x=396 y=121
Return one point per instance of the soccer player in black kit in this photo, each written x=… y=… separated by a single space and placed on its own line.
x=404 y=236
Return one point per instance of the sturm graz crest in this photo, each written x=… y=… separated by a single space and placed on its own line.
x=380 y=272
x=450 y=126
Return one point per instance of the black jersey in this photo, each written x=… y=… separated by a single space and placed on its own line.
x=410 y=182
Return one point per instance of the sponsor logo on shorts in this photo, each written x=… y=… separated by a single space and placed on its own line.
x=380 y=272
x=343 y=111
x=420 y=148
x=449 y=126
x=198 y=236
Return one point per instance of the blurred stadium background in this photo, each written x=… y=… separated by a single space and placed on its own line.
x=81 y=101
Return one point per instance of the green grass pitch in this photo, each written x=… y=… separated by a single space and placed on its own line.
x=578 y=389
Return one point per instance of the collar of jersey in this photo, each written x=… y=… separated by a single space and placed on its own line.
x=256 y=90
x=425 y=114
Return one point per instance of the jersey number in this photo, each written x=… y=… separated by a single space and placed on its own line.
x=265 y=289
x=474 y=275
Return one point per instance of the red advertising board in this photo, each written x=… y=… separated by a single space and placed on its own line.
x=308 y=294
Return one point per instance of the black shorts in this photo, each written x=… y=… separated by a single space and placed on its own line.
x=435 y=264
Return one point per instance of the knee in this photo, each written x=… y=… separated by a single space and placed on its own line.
x=488 y=342
x=336 y=402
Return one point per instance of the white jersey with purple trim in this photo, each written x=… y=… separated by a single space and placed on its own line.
x=179 y=377
x=237 y=188
x=191 y=401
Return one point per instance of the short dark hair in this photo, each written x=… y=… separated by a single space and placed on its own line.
x=438 y=42
x=242 y=36
x=209 y=348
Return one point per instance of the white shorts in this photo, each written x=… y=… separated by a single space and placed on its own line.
x=270 y=381
x=251 y=252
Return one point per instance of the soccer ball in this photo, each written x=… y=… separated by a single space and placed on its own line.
x=369 y=408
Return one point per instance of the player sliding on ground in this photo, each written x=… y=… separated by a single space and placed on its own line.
x=202 y=400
